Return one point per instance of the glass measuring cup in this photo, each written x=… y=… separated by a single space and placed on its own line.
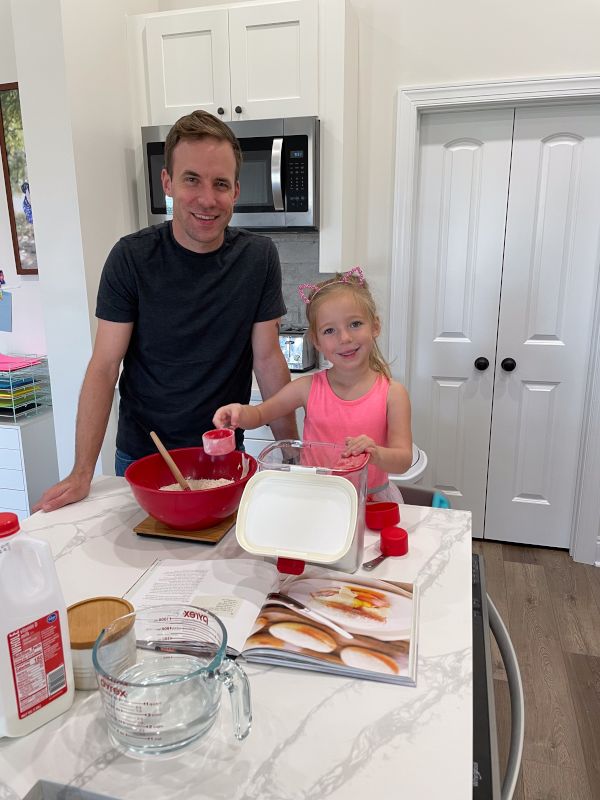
x=160 y=671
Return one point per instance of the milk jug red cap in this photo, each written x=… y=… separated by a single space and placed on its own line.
x=9 y=524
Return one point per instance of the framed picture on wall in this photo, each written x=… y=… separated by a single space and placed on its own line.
x=14 y=166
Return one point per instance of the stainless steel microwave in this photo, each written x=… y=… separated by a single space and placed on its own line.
x=279 y=178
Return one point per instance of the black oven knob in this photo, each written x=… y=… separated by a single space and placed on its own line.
x=238 y=109
x=220 y=110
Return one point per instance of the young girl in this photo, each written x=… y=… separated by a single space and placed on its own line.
x=355 y=402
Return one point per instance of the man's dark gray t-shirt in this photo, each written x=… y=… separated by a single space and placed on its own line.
x=190 y=350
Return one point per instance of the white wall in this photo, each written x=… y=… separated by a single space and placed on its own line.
x=428 y=42
x=27 y=335
x=72 y=72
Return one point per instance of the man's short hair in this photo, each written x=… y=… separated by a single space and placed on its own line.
x=198 y=125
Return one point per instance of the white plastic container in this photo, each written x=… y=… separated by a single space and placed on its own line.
x=36 y=676
x=305 y=506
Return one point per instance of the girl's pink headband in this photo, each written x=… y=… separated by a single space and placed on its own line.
x=315 y=287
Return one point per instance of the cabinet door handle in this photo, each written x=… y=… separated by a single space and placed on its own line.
x=220 y=110
x=481 y=363
x=238 y=109
x=508 y=364
x=276 y=173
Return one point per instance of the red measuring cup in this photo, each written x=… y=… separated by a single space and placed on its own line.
x=393 y=542
x=381 y=515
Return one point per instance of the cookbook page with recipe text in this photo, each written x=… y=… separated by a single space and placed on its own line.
x=233 y=589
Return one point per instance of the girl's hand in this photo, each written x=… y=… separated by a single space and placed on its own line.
x=361 y=444
x=228 y=416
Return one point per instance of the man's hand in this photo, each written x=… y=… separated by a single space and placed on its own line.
x=97 y=392
x=69 y=490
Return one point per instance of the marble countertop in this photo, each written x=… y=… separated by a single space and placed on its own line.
x=314 y=736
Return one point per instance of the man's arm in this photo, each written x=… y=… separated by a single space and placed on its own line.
x=95 y=400
x=272 y=372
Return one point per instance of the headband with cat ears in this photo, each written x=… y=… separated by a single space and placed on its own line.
x=313 y=288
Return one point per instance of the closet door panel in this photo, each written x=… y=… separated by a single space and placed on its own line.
x=463 y=171
x=546 y=315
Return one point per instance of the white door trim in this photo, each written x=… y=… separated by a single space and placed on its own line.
x=412 y=102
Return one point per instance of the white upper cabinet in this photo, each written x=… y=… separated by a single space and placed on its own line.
x=273 y=59
x=187 y=58
x=240 y=62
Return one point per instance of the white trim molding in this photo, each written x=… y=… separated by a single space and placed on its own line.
x=412 y=103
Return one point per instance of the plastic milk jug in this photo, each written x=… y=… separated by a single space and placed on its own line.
x=36 y=676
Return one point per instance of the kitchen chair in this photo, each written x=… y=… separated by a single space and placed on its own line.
x=419 y=496
x=517 y=702
x=416 y=469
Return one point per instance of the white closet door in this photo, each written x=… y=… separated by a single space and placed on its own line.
x=548 y=293
x=457 y=266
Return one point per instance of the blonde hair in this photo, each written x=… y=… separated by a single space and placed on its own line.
x=343 y=282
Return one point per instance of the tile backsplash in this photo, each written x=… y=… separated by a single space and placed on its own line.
x=299 y=256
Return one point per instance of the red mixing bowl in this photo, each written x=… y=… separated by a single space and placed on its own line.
x=196 y=510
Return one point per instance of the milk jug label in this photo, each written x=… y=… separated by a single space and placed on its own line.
x=38 y=664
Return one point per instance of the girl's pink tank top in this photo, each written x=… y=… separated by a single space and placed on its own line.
x=331 y=419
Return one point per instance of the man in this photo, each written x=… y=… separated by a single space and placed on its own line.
x=190 y=307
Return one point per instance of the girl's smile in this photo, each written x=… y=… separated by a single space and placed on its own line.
x=349 y=353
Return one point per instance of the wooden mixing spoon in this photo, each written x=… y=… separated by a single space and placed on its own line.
x=170 y=463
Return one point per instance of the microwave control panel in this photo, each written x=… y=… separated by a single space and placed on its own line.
x=296 y=169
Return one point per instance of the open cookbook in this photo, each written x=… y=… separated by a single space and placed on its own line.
x=322 y=620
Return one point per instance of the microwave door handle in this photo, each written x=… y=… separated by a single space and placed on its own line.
x=276 y=173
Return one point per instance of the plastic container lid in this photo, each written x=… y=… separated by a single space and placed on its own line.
x=88 y=617
x=9 y=524
x=297 y=514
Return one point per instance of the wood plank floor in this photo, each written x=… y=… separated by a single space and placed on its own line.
x=551 y=607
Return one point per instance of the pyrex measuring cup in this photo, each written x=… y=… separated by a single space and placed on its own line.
x=160 y=671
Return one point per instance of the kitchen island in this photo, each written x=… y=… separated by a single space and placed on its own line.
x=314 y=736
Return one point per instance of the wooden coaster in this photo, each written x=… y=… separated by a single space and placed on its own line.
x=152 y=527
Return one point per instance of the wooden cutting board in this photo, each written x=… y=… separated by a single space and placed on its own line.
x=152 y=527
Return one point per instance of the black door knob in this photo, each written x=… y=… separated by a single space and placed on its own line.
x=220 y=110
x=508 y=364
x=481 y=363
x=238 y=109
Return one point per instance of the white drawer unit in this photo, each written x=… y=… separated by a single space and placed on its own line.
x=9 y=437
x=11 y=459
x=28 y=462
x=12 y=478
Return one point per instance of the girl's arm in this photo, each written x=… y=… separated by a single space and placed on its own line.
x=396 y=457
x=292 y=396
